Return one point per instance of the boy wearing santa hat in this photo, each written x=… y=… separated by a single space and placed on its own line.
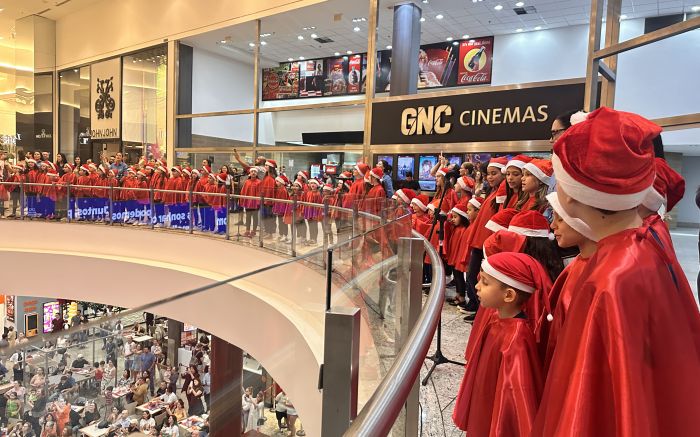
x=628 y=356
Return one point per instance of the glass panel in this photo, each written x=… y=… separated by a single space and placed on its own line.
x=144 y=110
x=317 y=127
x=74 y=111
x=229 y=131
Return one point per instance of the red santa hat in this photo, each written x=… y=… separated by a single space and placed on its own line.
x=253 y=169
x=531 y=224
x=149 y=166
x=607 y=161
x=213 y=176
x=503 y=241
x=187 y=171
x=476 y=202
x=377 y=172
x=501 y=220
x=668 y=188
x=461 y=209
x=304 y=174
x=271 y=163
x=518 y=161
x=176 y=168
x=501 y=193
x=52 y=174
x=282 y=179
x=328 y=187
x=574 y=223
x=542 y=170
x=443 y=171
x=92 y=166
x=313 y=181
x=30 y=160
x=345 y=175
x=421 y=201
x=196 y=172
x=85 y=168
x=222 y=177
x=499 y=163
x=141 y=173
x=162 y=169
x=362 y=168
x=71 y=167
x=162 y=163
x=103 y=168
x=466 y=183
x=206 y=168
x=131 y=170
x=298 y=184
x=347 y=183
x=406 y=194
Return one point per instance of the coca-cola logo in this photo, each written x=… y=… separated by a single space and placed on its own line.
x=473 y=78
x=436 y=62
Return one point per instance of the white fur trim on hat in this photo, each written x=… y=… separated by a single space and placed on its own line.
x=280 y=180
x=420 y=204
x=463 y=185
x=654 y=200
x=542 y=233
x=494 y=227
x=539 y=174
x=516 y=163
x=496 y=164
x=372 y=173
x=592 y=197
x=460 y=212
x=440 y=173
x=403 y=196
x=575 y=223
x=578 y=117
x=475 y=203
x=489 y=270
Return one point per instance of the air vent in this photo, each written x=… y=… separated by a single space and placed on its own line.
x=525 y=10
x=323 y=39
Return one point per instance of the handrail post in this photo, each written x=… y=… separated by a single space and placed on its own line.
x=228 y=200
x=294 y=226
x=111 y=205
x=69 y=211
x=191 y=210
x=341 y=352
x=22 y=199
x=408 y=305
x=151 y=196
x=260 y=220
x=324 y=227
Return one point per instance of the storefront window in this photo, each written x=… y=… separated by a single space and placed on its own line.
x=144 y=108
x=74 y=112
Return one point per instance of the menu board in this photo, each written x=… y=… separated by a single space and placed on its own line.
x=356 y=74
x=281 y=82
x=437 y=65
x=336 y=80
x=51 y=309
x=311 y=78
x=475 y=61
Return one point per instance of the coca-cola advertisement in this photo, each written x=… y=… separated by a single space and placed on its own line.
x=437 y=65
x=311 y=78
x=475 y=61
x=355 y=74
x=336 y=81
x=281 y=82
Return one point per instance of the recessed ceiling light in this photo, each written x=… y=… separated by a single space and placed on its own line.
x=422 y=19
x=265 y=35
x=300 y=37
x=313 y=35
x=465 y=36
x=251 y=44
x=301 y=58
x=263 y=43
x=449 y=38
x=518 y=30
x=520 y=4
x=425 y=1
x=623 y=17
x=439 y=17
x=498 y=7
x=349 y=52
x=389 y=47
x=336 y=54
x=356 y=29
x=308 y=28
x=695 y=9
x=359 y=20
x=223 y=41
x=538 y=27
x=290 y=59
x=455 y=43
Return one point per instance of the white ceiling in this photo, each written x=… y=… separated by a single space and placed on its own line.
x=460 y=17
x=53 y=9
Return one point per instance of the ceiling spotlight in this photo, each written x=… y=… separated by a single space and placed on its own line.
x=263 y=43
x=538 y=27
x=359 y=20
x=518 y=30
x=422 y=19
x=439 y=17
x=336 y=54
x=389 y=47
x=349 y=52
x=251 y=44
x=465 y=36
x=301 y=58
x=300 y=37
x=520 y=4
x=314 y=36
x=308 y=28
x=265 y=35
x=498 y=7
x=449 y=38
x=356 y=29
x=623 y=17
x=695 y=9
x=290 y=59
x=455 y=43
x=425 y=1
x=223 y=41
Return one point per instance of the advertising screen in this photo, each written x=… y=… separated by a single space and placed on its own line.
x=387 y=158
x=437 y=65
x=315 y=170
x=355 y=74
x=455 y=159
x=51 y=309
x=475 y=61
x=425 y=179
x=404 y=164
x=311 y=78
x=10 y=307
x=336 y=80
x=281 y=82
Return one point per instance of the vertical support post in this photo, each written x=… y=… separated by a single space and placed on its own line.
x=325 y=224
x=405 y=44
x=228 y=227
x=371 y=76
x=172 y=68
x=22 y=200
x=151 y=201
x=612 y=36
x=294 y=226
x=226 y=387
x=256 y=88
x=111 y=208
x=408 y=307
x=174 y=336
x=340 y=370
x=69 y=211
x=329 y=277
x=260 y=220
x=592 y=66
x=189 y=203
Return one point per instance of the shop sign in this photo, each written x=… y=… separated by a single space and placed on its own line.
x=43 y=135
x=105 y=95
x=504 y=115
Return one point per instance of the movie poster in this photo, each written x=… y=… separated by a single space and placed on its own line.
x=383 y=71
x=437 y=65
x=10 y=307
x=364 y=73
x=355 y=74
x=336 y=81
x=281 y=82
x=311 y=78
x=475 y=61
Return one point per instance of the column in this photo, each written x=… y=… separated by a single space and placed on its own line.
x=226 y=390
x=405 y=43
x=174 y=334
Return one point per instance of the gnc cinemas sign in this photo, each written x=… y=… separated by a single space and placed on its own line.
x=506 y=115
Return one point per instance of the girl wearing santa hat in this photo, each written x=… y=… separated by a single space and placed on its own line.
x=457 y=250
x=357 y=189
x=294 y=216
x=464 y=188
x=540 y=242
x=279 y=209
x=502 y=383
x=373 y=201
x=268 y=188
x=251 y=187
x=537 y=182
x=313 y=213
x=330 y=196
x=514 y=176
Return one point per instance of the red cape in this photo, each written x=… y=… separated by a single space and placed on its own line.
x=502 y=383
x=626 y=362
x=458 y=249
x=480 y=233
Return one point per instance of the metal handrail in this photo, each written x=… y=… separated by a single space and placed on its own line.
x=380 y=412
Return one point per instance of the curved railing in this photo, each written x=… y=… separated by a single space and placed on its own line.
x=361 y=249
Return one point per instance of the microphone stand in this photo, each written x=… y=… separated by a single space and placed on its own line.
x=438 y=358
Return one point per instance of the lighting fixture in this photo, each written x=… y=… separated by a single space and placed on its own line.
x=301 y=58
x=336 y=54
x=498 y=7
x=290 y=59
x=75 y=70
x=518 y=30
x=520 y=4
x=251 y=44
x=349 y=52
x=263 y=43
x=538 y=27
x=439 y=17
x=300 y=37
x=359 y=20
x=449 y=38
x=223 y=41
x=314 y=36
x=425 y=1
x=265 y=35
x=389 y=47
x=422 y=19
x=465 y=36
x=356 y=29
x=623 y=17
x=455 y=43
x=695 y=8
x=309 y=28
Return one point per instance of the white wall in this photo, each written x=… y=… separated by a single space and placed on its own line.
x=688 y=212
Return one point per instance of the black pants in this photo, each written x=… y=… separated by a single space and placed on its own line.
x=427 y=273
x=251 y=215
x=475 y=258
x=280 y=415
x=460 y=282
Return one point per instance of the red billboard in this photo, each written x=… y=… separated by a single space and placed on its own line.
x=475 y=61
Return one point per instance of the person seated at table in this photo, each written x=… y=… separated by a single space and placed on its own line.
x=90 y=414
x=168 y=397
x=50 y=426
x=140 y=391
x=147 y=423
x=177 y=409
x=125 y=379
x=113 y=416
x=66 y=388
x=170 y=427
x=133 y=426
x=79 y=363
x=161 y=388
